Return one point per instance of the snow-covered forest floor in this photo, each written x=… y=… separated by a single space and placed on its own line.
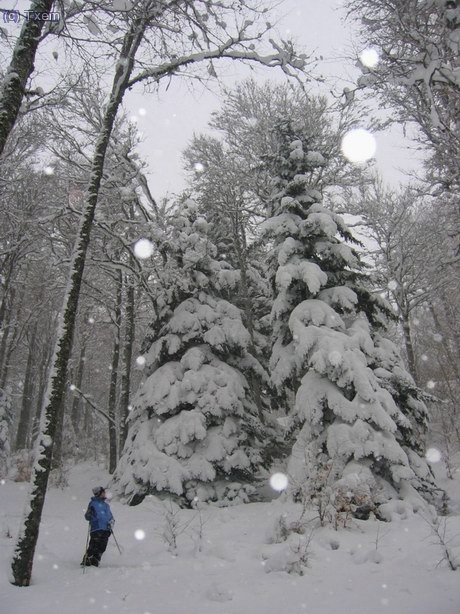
x=224 y=563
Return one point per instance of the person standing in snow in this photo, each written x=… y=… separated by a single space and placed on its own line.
x=101 y=520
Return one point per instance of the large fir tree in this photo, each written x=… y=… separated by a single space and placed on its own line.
x=194 y=429
x=349 y=429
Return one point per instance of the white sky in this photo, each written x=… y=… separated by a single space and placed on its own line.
x=168 y=122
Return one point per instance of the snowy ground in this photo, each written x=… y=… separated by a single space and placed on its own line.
x=226 y=571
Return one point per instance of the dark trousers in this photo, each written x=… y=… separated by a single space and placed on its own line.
x=97 y=545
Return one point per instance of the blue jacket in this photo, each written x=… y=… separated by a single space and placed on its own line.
x=99 y=515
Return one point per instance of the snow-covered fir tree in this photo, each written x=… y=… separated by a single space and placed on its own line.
x=351 y=435
x=388 y=367
x=221 y=192
x=5 y=425
x=195 y=431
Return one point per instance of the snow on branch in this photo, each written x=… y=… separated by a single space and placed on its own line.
x=285 y=58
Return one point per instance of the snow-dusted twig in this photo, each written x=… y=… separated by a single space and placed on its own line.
x=377 y=555
x=438 y=528
x=73 y=388
x=198 y=532
x=301 y=550
x=174 y=526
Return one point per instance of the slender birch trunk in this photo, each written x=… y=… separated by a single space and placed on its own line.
x=43 y=376
x=75 y=412
x=114 y=377
x=7 y=325
x=127 y=359
x=248 y=308
x=411 y=360
x=25 y=417
x=23 y=555
x=10 y=339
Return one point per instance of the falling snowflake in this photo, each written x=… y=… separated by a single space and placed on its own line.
x=199 y=168
x=433 y=455
x=140 y=361
x=392 y=285
x=142 y=112
x=48 y=170
x=359 y=145
x=279 y=481
x=139 y=534
x=369 y=57
x=91 y=320
x=72 y=387
x=143 y=249
x=430 y=384
x=424 y=357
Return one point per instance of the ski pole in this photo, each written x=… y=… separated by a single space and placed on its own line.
x=115 y=539
x=85 y=556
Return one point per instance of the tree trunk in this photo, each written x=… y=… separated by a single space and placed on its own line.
x=88 y=425
x=21 y=67
x=453 y=362
x=76 y=411
x=127 y=358
x=56 y=461
x=248 y=308
x=411 y=361
x=6 y=329
x=25 y=547
x=7 y=349
x=114 y=378
x=5 y=290
x=44 y=368
x=22 y=434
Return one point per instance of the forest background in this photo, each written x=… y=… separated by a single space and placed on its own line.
x=410 y=230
